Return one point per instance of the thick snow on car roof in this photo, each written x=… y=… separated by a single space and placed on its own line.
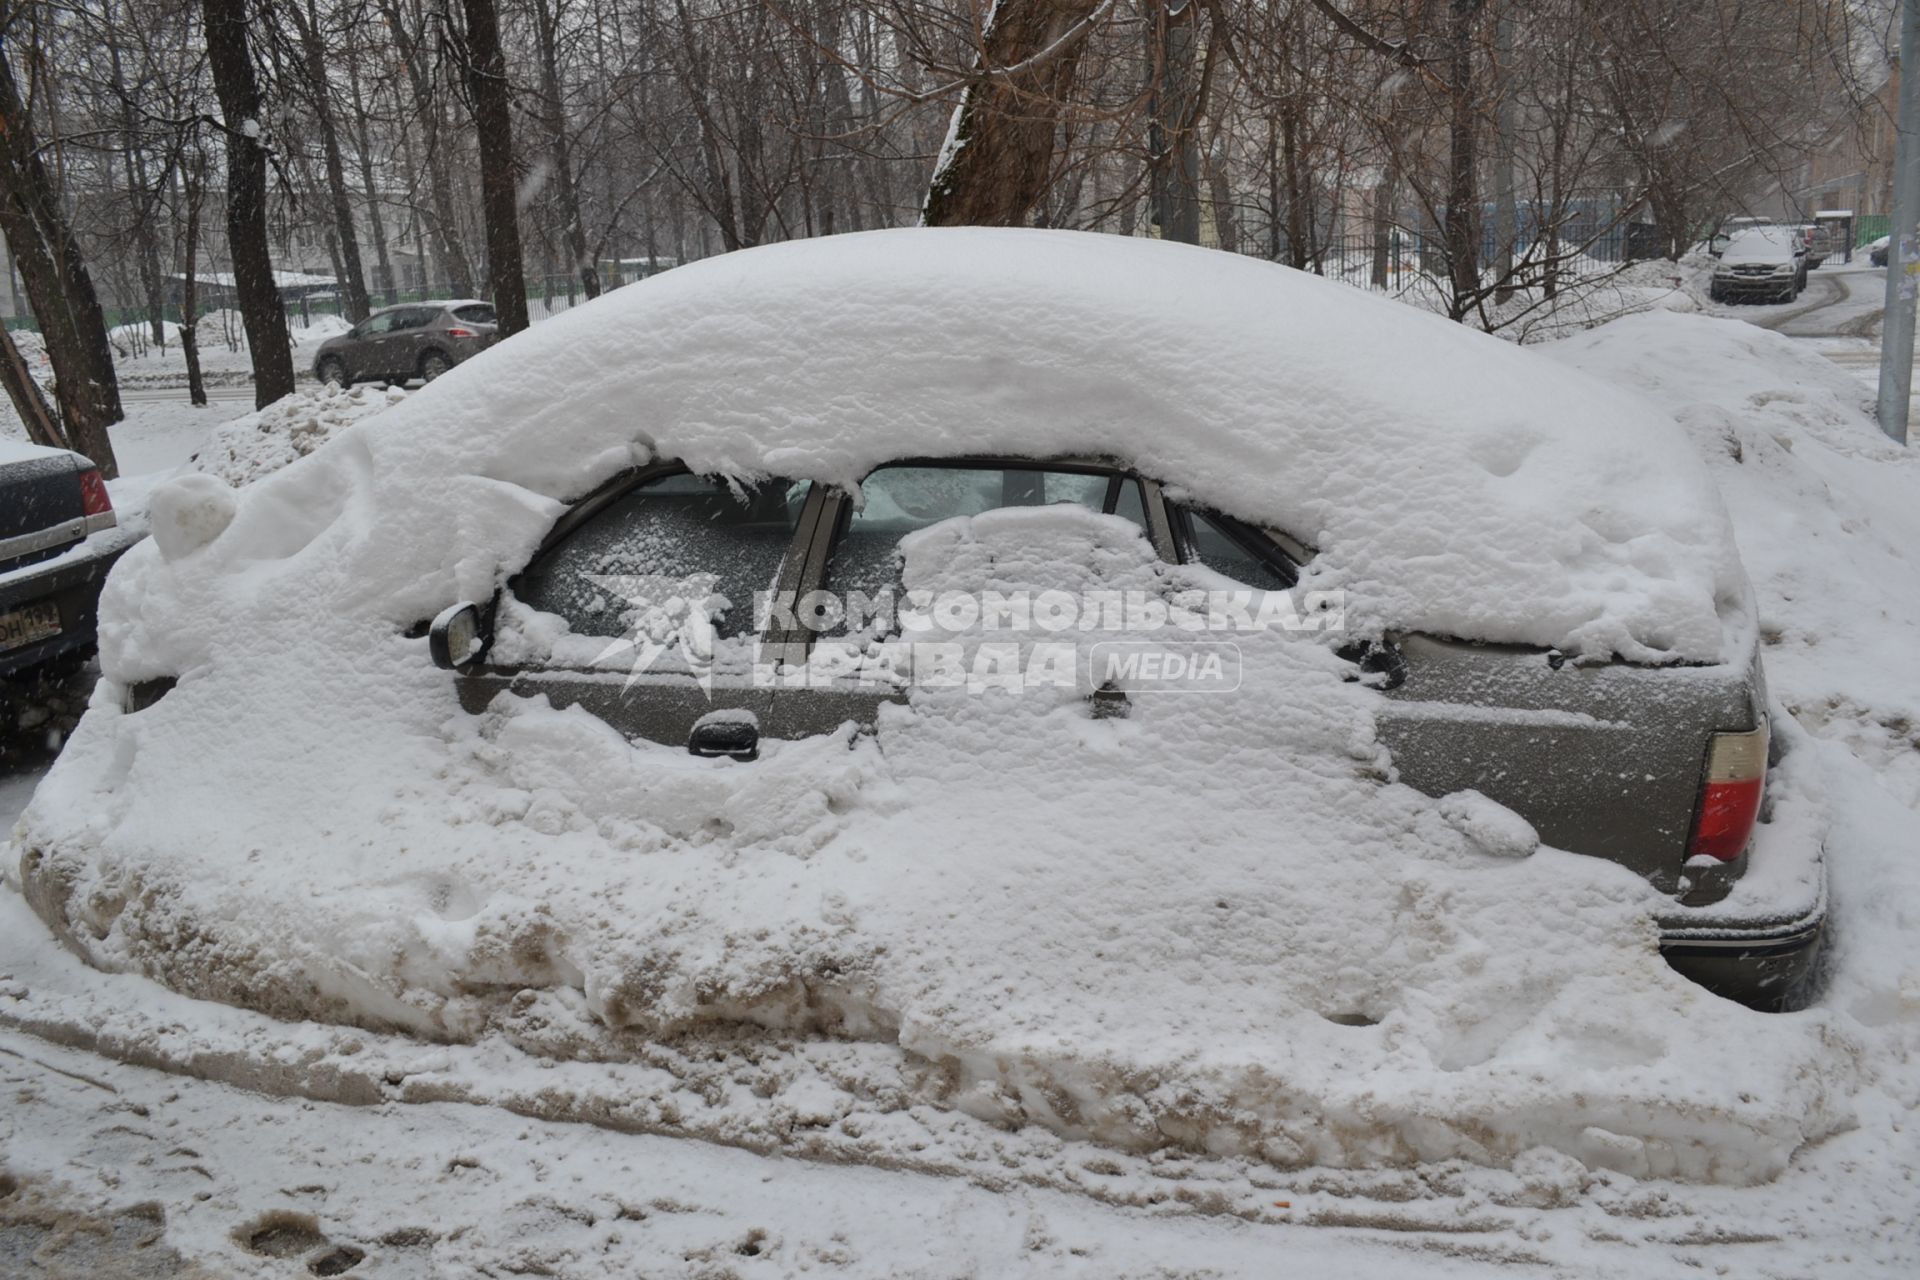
x=1452 y=482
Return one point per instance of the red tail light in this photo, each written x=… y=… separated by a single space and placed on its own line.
x=1730 y=803
x=457 y=332
x=93 y=494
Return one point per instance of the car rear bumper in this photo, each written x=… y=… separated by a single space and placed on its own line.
x=1768 y=967
x=72 y=583
x=1760 y=944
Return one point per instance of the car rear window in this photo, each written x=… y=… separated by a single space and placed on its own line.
x=476 y=313
x=692 y=536
x=898 y=500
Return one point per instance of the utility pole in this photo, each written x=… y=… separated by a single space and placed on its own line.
x=1903 y=245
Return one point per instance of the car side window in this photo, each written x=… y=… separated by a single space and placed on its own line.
x=675 y=536
x=415 y=318
x=377 y=325
x=1233 y=550
x=477 y=313
x=901 y=499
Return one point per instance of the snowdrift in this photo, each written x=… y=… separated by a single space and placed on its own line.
x=1218 y=924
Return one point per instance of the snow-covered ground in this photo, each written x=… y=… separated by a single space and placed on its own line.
x=435 y=1171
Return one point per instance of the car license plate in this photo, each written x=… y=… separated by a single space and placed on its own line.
x=25 y=626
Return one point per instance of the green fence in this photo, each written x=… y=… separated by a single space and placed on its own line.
x=1868 y=227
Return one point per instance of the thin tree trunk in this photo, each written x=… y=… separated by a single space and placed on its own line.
x=553 y=114
x=353 y=280
x=1173 y=152
x=1462 y=218
x=493 y=118
x=383 y=262
x=1506 y=228
x=195 y=181
x=426 y=105
x=58 y=286
x=253 y=282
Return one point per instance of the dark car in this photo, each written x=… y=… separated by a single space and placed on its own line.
x=1877 y=251
x=52 y=503
x=417 y=340
x=1766 y=264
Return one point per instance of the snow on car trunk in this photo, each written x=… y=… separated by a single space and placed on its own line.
x=1216 y=923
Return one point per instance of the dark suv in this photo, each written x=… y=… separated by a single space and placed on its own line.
x=417 y=340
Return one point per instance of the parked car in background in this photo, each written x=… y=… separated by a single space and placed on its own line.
x=52 y=503
x=1819 y=244
x=1877 y=251
x=1768 y=264
x=414 y=340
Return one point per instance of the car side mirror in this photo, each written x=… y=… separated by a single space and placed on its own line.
x=458 y=638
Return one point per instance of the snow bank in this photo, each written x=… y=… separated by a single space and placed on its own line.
x=1217 y=924
x=244 y=450
x=1827 y=513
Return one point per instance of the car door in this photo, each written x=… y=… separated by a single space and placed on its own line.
x=855 y=554
x=364 y=356
x=401 y=348
x=659 y=579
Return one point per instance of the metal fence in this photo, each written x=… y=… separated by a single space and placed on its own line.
x=544 y=293
x=1404 y=260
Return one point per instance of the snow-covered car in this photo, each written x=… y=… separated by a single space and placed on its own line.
x=891 y=634
x=1767 y=263
x=1877 y=251
x=414 y=340
x=51 y=568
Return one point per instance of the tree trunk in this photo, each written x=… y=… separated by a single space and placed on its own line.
x=383 y=263
x=195 y=181
x=28 y=402
x=1462 y=221
x=58 y=286
x=1172 y=150
x=1505 y=216
x=353 y=280
x=426 y=106
x=998 y=158
x=553 y=115
x=493 y=118
x=253 y=282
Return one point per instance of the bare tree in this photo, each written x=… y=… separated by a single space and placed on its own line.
x=58 y=286
x=253 y=279
x=486 y=76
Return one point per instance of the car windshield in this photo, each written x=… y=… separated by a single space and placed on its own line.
x=1770 y=244
x=475 y=313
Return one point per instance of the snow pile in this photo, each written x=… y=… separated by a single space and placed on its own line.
x=245 y=449
x=1213 y=924
x=1827 y=512
x=1216 y=924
